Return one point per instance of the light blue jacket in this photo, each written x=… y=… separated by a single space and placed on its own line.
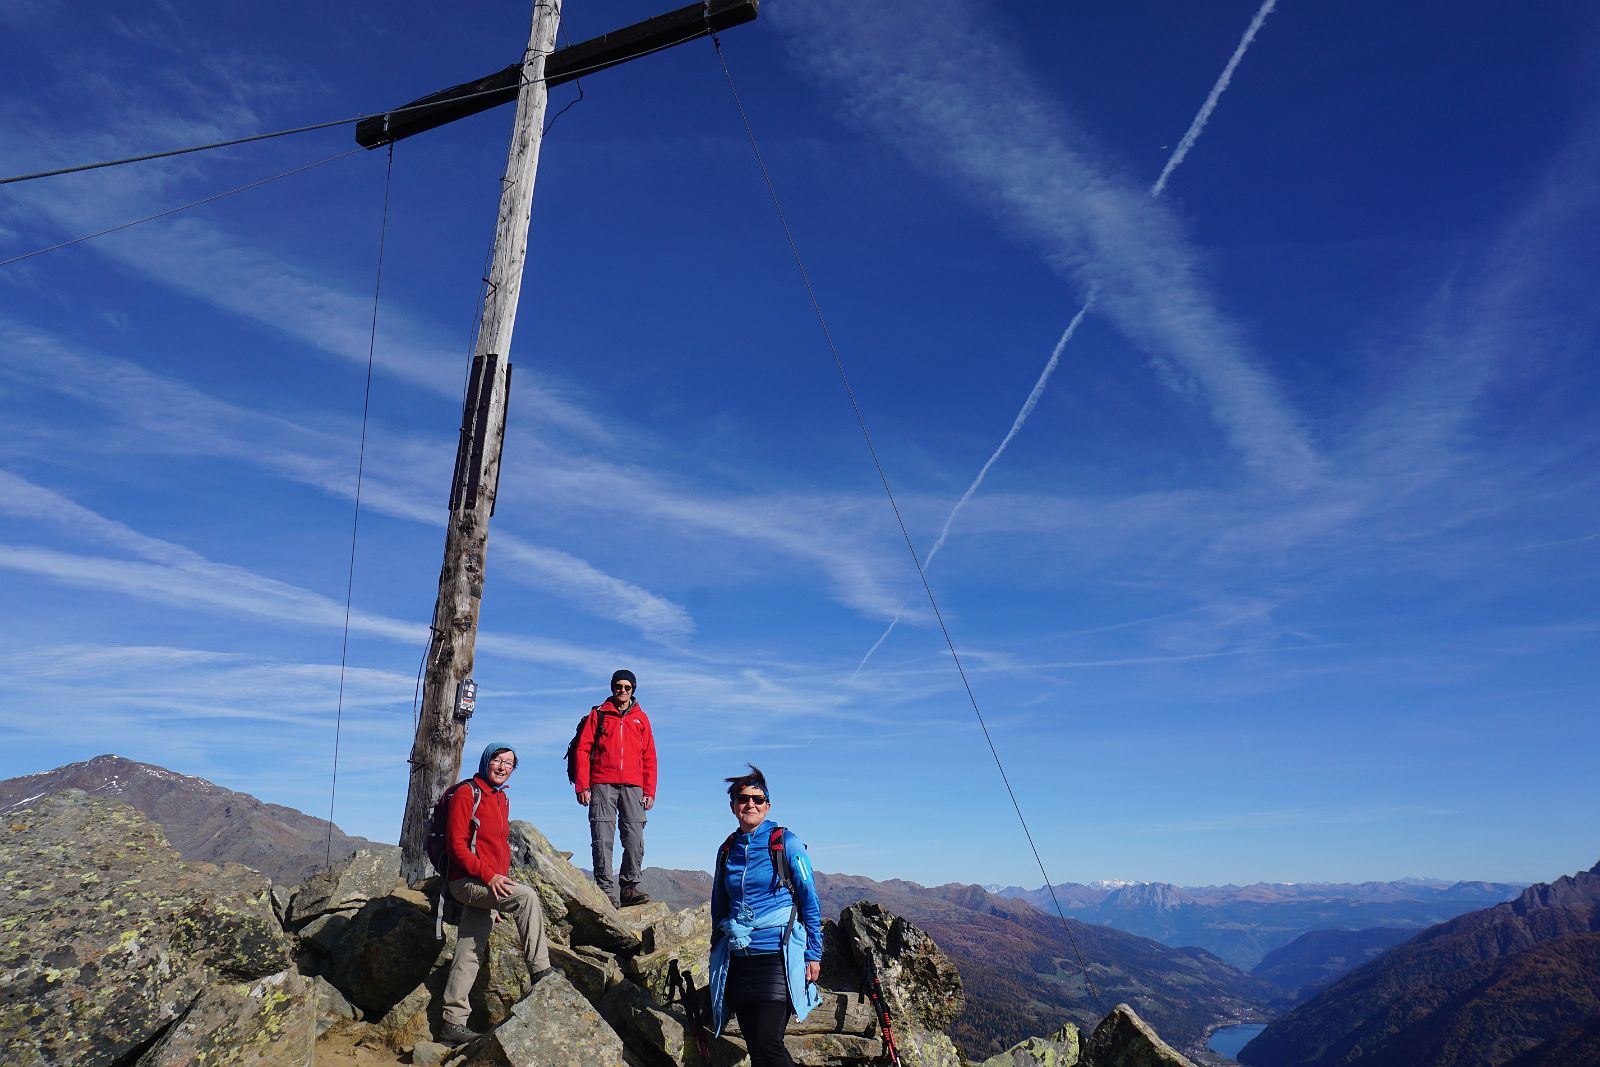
x=751 y=910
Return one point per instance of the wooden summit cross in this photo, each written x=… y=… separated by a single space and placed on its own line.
x=447 y=688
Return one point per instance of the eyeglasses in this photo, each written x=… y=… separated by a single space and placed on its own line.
x=502 y=763
x=621 y=685
x=742 y=799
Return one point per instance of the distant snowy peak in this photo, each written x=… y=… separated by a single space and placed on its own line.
x=1115 y=883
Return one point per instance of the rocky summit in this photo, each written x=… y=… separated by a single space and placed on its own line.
x=116 y=951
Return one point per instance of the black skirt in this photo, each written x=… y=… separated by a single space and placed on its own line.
x=756 y=979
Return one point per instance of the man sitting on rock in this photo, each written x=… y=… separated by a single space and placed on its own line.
x=480 y=858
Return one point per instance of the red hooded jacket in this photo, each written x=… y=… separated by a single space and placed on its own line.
x=627 y=753
x=493 y=854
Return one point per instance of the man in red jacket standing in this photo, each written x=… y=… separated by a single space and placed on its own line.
x=479 y=840
x=616 y=781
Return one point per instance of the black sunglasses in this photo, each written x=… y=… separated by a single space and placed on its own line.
x=749 y=798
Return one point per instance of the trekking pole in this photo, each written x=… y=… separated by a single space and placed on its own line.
x=875 y=994
x=683 y=985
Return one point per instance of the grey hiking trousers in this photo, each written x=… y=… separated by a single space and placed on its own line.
x=611 y=807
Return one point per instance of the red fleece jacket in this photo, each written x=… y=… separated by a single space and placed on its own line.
x=494 y=832
x=627 y=754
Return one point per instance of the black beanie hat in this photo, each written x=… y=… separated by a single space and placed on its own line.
x=626 y=676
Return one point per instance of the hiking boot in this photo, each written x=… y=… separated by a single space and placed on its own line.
x=456 y=1034
x=632 y=897
x=538 y=976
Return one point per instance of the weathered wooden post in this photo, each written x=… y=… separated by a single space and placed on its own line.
x=442 y=728
x=441 y=732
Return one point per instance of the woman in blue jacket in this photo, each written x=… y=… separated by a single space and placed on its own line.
x=766 y=930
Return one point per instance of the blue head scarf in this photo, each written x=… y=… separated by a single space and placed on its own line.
x=489 y=752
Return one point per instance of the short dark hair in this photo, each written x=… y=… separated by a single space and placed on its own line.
x=755 y=777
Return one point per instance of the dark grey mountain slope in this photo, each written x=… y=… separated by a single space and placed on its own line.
x=1478 y=990
x=201 y=820
x=1313 y=961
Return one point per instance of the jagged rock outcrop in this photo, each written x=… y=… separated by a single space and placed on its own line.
x=116 y=952
x=270 y=1023
x=665 y=936
x=920 y=983
x=554 y=1025
x=1061 y=1049
x=320 y=909
x=574 y=905
x=107 y=937
x=1124 y=1040
x=386 y=950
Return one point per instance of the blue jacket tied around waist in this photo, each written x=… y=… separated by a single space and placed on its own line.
x=751 y=912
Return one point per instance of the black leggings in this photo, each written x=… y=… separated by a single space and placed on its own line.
x=762 y=1023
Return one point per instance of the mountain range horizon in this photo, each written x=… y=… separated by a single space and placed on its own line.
x=999 y=889
x=1192 y=958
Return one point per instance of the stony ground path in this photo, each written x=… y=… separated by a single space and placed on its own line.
x=337 y=1049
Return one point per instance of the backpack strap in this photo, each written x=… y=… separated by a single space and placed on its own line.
x=722 y=855
x=595 y=737
x=472 y=820
x=781 y=875
x=472 y=847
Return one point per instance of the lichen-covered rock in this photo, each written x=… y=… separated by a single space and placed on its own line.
x=269 y=1023
x=503 y=977
x=927 y=1048
x=834 y=1050
x=838 y=1013
x=641 y=917
x=645 y=1024
x=585 y=915
x=591 y=970
x=1122 y=1039
x=347 y=885
x=684 y=936
x=638 y=1018
x=107 y=935
x=1060 y=1049
x=386 y=952
x=324 y=931
x=553 y=1027
x=415 y=1018
x=331 y=1005
x=282 y=898
x=921 y=987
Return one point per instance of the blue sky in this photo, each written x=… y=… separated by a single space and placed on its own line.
x=1288 y=570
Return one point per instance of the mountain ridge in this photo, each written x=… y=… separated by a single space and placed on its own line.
x=1479 y=989
x=1243 y=923
x=202 y=820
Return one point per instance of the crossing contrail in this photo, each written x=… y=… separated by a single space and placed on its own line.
x=1190 y=136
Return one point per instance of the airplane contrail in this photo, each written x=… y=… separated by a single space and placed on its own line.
x=1016 y=424
x=1190 y=136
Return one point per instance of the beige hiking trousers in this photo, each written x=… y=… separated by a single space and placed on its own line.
x=478 y=905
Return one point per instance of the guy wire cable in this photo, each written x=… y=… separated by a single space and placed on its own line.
x=905 y=533
x=355 y=521
x=169 y=152
x=174 y=210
